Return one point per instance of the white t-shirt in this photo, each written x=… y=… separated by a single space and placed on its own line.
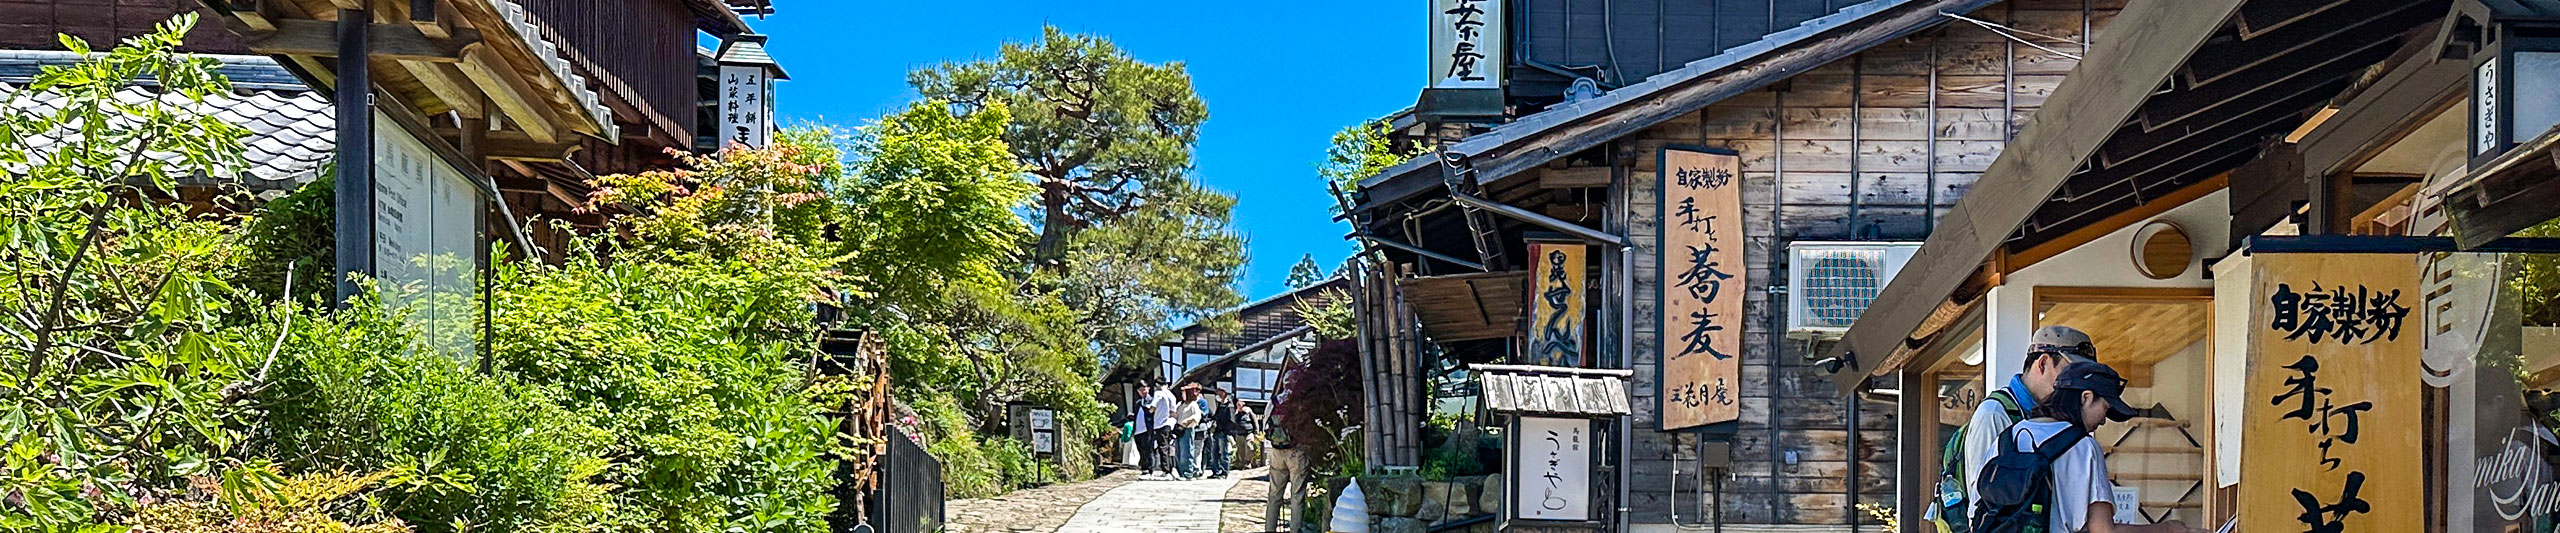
x=1162 y=417
x=2079 y=476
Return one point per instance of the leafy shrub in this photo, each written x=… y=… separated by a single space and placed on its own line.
x=356 y=392
x=254 y=499
x=1318 y=398
x=291 y=238
x=695 y=368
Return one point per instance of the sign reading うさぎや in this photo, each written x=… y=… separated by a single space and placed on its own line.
x=2332 y=406
x=1700 y=254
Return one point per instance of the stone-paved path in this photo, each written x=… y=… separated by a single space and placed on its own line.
x=1155 y=507
x=1243 y=509
x=1039 y=509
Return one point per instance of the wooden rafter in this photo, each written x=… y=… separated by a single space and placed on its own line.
x=523 y=105
x=303 y=37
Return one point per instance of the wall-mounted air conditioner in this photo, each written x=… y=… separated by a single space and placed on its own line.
x=1830 y=283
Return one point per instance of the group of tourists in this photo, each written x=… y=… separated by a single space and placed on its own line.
x=1175 y=434
x=2024 y=462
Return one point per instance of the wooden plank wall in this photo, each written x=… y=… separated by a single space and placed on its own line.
x=1869 y=148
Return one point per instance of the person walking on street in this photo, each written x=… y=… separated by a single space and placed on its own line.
x=1188 y=419
x=2054 y=448
x=1221 y=430
x=2051 y=349
x=1288 y=481
x=1160 y=416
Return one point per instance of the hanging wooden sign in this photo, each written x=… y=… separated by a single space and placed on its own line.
x=1701 y=275
x=1556 y=296
x=2332 y=395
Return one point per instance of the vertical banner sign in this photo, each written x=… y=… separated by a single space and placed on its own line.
x=1466 y=44
x=2332 y=405
x=1552 y=475
x=746 y=106
x=1702 y=281
x=1556 y=295
x=426 y=222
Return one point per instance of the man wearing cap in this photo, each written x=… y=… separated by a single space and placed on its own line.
x=2053 y=348
x=2087 y=395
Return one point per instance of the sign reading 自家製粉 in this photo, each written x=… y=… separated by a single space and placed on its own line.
x=1702 y=280
x=2332 y=395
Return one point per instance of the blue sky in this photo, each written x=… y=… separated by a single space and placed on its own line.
x=1279 y=78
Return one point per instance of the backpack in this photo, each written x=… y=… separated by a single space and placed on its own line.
x=1948 y=509
x=2017 y=486
x=1245 y=423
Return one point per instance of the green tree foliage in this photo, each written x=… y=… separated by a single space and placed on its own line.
x=933 y=205
x=1360 y=151
x=2536 y=280
x=1306 y=273
x=1125 y=235
x=111 y=387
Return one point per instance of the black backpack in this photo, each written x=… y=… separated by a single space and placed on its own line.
x=2017 y=486
x=1950 y=506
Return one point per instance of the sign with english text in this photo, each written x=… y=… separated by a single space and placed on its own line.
x=1556 y=295
x=1700 y=256
x=1551 y=469
x=1466 y=44
x=2332 y=395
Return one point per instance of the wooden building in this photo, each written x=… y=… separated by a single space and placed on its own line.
x=1855 y=130
x=2180 y=201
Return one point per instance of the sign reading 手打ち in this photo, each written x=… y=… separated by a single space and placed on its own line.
x=1701 y=277
x=2332 y=396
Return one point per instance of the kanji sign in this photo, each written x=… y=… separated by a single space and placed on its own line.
x=2332 y=396
x=1466 y=44
x=1700 y=254
x=1551 y=477
x=746 y=106
x=1556 y=294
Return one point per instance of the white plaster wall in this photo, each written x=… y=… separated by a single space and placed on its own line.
x=2009 y=319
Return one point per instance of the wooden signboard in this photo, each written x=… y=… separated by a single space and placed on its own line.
x=1552 y=470
x=2332 y=411
x=1556 y=293
x=1702 y=281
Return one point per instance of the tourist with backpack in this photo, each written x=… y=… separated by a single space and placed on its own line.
x=2048 y=475
x=1973 y=445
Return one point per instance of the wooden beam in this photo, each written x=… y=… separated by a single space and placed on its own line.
x=447 y=83
x=348 y=4
x=521 y=103
x=2120 y=220
x=255 y=15
x=294 y=37
x=2083 y=112
x=1573 y=178
x=432 y=17
x=527 y=150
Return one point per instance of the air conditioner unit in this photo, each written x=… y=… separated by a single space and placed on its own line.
x=1830 y=283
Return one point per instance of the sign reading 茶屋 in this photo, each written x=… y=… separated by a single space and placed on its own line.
x=1551 y=475
x=1702 y=281
x=1466 y=44
x=1556 y=292
x=2332 y=406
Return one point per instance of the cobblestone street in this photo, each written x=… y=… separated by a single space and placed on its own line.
x=1030 y=510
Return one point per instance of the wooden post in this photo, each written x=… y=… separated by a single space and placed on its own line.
x=1916 y=434
x=354 y=186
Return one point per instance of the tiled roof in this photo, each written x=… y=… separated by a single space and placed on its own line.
x=1553 y=390
x=292 y=129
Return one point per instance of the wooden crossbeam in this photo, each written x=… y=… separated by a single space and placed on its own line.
x=526 y=150
x=304 y=37
x=522 y=105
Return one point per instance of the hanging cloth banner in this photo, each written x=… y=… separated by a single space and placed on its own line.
x=2332 y=407
x=1702 y=280
x=1556 y=292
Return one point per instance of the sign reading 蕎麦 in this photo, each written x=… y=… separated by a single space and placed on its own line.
x=1702 y=281
x=1556 y=292
x=2332 y=395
